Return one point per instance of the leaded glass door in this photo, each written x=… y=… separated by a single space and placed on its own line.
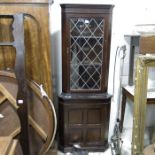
x=84 y=104
x=86 y=53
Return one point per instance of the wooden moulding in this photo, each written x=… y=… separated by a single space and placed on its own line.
x=140 y=100
x=25 y=1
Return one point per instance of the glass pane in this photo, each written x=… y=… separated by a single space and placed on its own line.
x=86 y=47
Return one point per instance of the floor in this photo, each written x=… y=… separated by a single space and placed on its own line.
x=107 y=152
x=126 y=146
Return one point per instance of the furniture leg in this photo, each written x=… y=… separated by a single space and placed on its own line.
x=123 y=105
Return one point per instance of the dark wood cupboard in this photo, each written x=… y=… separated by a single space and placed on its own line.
x=84 y=105
x=84 y=120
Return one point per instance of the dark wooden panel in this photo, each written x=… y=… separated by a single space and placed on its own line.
x=94 y=116
x=84 y=121
x=93 y=135
x=75 y=116
x=85 y=8
x=75 y=135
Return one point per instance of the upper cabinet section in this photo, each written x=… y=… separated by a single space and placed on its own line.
x=86 y=31
x=86 y=56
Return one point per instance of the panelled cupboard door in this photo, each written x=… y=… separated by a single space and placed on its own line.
x=86 y=47
x=84 y=121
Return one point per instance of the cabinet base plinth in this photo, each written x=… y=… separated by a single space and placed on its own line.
x=89 y=149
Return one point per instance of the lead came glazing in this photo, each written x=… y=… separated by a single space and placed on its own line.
x=86 y=51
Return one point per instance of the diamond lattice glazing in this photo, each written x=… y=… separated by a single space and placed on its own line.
x=87 y=38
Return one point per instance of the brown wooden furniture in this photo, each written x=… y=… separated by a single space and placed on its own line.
x=9 y=146
x=128 y=93
x=84 y=105
x=42 y=118
x=38 y=66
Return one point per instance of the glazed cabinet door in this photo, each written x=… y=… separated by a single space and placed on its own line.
x=85 y=52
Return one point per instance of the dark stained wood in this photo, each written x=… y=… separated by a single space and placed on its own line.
x=84 y=113
x=36 y=26
x=42 y=123
x=85 y=8
x=84 y=121
x=88 y=11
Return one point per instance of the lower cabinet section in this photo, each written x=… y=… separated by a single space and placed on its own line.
x=84 y=120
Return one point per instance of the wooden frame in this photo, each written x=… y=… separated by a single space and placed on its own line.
x=85 y=11
x=40 y=129
x=37 y=40
x=84 y=112
x=142 y=64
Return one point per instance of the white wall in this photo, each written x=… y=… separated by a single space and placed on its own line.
x=126 y=14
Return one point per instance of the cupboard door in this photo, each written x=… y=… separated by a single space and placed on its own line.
x=84 y=123
x=86 y=37
x=86 y=53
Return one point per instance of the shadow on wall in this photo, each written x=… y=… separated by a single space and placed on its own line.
x=56 y=65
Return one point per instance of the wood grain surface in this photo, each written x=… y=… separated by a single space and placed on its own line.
x=147 y=44
x=42 y=121
x=37 y=43
x=9 y=146
x=5 y=143
x=24 y=1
